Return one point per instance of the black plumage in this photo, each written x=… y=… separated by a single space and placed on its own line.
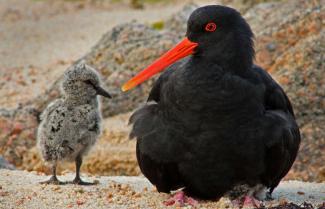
x=214 y=120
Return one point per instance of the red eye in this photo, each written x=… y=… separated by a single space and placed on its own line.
x=210 y=27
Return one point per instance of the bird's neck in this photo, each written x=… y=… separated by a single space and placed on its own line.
x=235 y=54
x=76 y=101
x=237 y=63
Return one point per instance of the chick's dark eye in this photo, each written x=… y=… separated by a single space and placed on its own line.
x=210 y=27
x=88 y=82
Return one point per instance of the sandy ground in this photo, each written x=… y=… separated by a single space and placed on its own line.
x=67 y=36
x=20 y=189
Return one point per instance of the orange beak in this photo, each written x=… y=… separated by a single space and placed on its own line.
x=181 y=50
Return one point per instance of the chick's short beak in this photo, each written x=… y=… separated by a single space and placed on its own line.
x=102 y=92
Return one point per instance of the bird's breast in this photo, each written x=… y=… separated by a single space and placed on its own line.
x=211 y=97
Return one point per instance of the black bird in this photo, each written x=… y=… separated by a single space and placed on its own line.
x=215 y=123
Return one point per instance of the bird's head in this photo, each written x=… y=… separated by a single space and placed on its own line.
x=82 y=81
x=215 y=34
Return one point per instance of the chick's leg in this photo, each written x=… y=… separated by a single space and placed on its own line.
x=53 y=179
x=77 y=179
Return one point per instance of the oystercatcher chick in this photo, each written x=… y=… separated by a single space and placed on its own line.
x=215 y=124
x=70 y=126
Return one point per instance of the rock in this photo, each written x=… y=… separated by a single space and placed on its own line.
x=244 y=5
x=305 y=85
x=177 y=23
x=120 y=54
x=129 y=48
x=17 y=133
x=5 y=165
x=293 y=30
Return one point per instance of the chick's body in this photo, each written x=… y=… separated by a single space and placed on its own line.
x=67 y=131
x=70 y=126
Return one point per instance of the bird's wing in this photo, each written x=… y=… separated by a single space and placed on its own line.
x=49 y=109
x=65 y=130
x=159 y=147
x=149 y=125
x=275 y=97
x=86 y=120
x=53 y=130
x=153 y=133
x=93 y=121
x=53 y=124
x=282 y=146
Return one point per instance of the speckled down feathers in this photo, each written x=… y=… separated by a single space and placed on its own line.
x=70 y=126
x=66 y=132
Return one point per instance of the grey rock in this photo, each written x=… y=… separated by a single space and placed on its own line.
x=177 y=23
x=5 y=164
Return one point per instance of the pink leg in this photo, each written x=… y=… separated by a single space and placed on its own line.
x=237 y=203
x=252 y=202
x=180 y=199
x=247 y=202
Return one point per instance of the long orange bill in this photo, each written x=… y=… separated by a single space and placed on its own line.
x=181 y=50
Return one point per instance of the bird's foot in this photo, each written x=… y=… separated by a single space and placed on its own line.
x=247 y=202
x=81 y=182
x=269 y=196
x=180 y=199
x=53 y=180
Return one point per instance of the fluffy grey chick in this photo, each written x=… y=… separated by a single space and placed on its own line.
x=70 y=126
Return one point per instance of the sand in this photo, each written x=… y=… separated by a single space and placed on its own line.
x=21 y=189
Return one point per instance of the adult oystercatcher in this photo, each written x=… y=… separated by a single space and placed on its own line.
x=215 y=123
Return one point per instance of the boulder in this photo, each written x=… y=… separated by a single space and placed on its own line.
x=5 y=165
x=290 y=46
